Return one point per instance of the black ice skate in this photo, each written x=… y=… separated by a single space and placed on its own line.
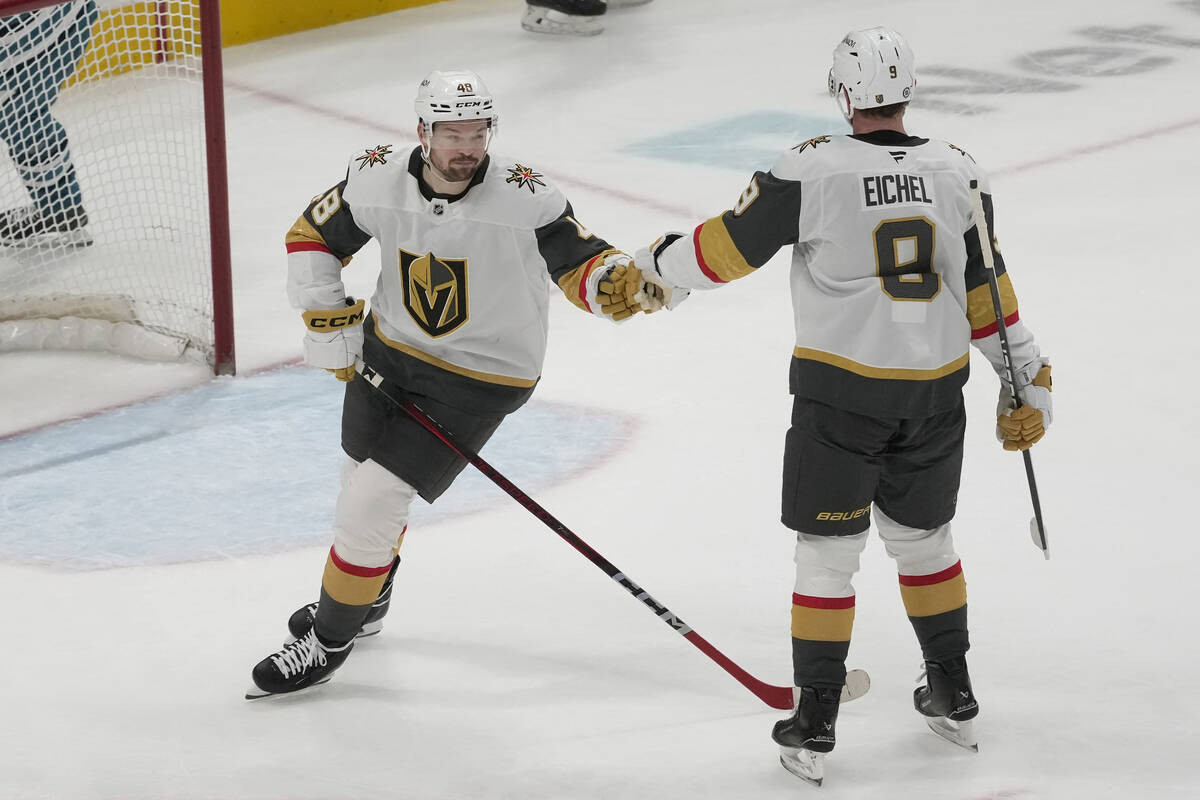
x=301 y=620
x=302 y=664
x=574 y=17
x=948 y=702
x=27 y=226
x=809 y=734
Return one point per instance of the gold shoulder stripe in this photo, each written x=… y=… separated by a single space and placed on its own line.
x=718 y=256
x=886 y=373
x=302 y=232
x=980 y=312
x=487 y=377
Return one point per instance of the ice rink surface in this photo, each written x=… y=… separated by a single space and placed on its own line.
x=151 y=550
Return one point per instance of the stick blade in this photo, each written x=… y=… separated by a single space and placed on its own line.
x=858 y=683
x=1038 y=534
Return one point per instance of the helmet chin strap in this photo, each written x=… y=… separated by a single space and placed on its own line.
x=427 y=129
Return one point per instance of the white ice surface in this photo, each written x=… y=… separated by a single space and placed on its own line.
x=511 y=667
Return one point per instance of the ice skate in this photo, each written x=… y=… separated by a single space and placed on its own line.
x=304 y=663
x=809 y=734
x=27 y=226
x=564 y=17
x=947 y=701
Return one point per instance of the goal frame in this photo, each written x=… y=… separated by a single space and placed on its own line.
x=212 y=77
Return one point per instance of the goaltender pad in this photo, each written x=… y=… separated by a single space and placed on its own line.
x=149 y=275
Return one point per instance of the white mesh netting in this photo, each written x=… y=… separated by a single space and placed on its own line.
x=103 y=196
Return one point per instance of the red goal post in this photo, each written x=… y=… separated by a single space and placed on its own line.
x=114 y=210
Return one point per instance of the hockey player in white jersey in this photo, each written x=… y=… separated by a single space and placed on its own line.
x=889 y=289
x=470 y=245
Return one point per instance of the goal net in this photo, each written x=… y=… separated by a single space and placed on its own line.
x=113 y=205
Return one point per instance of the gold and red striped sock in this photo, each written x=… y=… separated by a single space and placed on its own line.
x=937 y=608
x=821 y=629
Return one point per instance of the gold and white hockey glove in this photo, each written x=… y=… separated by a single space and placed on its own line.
x=335 y=338
x=614 y=291
x=653 y=292
x=1022 y=428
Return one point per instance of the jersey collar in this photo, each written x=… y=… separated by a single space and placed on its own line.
x=889 y=139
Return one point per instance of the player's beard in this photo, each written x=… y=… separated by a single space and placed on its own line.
x=459 y=169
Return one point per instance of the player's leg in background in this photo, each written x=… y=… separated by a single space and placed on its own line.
x=570 y=17
x=564 y=17
x=37 y=141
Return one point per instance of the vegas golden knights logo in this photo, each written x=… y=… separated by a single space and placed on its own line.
x=435 y=291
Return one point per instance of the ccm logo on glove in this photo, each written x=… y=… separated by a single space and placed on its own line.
x=332 y=319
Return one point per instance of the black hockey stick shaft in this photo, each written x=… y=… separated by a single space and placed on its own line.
x=774 y=696
x=985 y=247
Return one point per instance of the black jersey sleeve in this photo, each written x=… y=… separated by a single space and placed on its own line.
x=571 y=252
x=981 y=312
x=739 y=241
x=328 y=223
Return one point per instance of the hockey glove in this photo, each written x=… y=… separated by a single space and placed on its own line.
x=335 y=338
x=617 y=285
x=1022 y=428
x=654 y=292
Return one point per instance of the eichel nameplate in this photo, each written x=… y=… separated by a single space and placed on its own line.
x=435 y=291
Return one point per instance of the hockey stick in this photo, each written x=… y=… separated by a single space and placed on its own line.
x=774 y=696
x=1037 y=528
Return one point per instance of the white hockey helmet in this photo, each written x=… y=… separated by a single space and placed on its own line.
x=454 y=95
x=871 y=68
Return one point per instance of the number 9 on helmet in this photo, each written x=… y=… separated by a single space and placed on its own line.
x=871 y=68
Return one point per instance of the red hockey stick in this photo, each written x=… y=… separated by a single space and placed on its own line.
x=774 y=696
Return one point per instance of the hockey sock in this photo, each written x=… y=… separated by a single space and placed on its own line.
x=821 y=628
x=347 y=593
x=937 y=608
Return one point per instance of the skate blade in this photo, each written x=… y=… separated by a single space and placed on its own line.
x=69 y=240
x=804 y=764
x=255 y=693
x=959 y=733
x=541 y=20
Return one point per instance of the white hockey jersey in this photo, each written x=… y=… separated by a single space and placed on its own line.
x=888 y=281
x=461 y=299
